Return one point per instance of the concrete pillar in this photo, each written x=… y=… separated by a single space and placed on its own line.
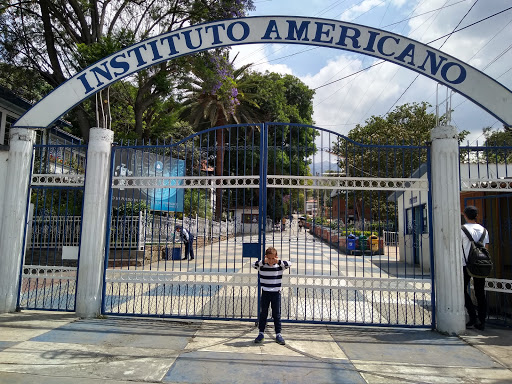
x=14 y=211
x=4 y=157
x=94 y=223
x=446 y=227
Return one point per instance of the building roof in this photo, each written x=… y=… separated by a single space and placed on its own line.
x=18 y=105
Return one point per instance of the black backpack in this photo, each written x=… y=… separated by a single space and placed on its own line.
x=478 y=261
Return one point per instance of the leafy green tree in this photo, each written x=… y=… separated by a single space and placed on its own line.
x=196 y=202
x=498 y=138
x=286 y=99
x=57 y=39
x=403 y=131
x=218 y=94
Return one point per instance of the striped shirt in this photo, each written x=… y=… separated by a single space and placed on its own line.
x=271 y=275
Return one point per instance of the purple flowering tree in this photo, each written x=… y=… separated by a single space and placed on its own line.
x=218 y=94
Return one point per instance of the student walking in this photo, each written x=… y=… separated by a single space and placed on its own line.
x=475 y=230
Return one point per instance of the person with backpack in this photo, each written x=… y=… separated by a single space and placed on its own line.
x=479 y=235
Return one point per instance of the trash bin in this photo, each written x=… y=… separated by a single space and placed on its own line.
x=173 y=253
x=351 y=242
x=363 y=243
x=374 y=243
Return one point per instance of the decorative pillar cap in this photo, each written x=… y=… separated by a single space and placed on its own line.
x=21 y=134
x=101 y=134
x=444 y=132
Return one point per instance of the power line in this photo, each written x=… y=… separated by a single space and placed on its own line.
x=430 y=42
x=449 y=35
x=425 y=13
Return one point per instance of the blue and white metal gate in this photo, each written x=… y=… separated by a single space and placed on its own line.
x=340 y=211
x=49 y=270
x=485 y=173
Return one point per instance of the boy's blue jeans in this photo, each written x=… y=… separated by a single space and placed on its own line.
x=273 y=299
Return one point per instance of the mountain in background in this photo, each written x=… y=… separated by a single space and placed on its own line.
x=322 y=167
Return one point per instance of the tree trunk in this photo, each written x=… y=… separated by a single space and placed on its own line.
x=83 y=122
x=219 y=168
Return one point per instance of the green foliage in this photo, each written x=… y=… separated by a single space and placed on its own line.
x=55 y=39
x=407 y=126
x=498 y=138
x=57 y=202
x=88 y=54
x=130 y=209
x=197 y=202
x=24 y=82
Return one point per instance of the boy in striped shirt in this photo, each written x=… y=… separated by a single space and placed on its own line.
x=270 y=274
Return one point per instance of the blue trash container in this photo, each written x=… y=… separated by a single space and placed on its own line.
x=351 y=242
x=173 y=253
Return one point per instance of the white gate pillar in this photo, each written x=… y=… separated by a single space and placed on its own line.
x=12 y=225
x=94 y=223
x=446 y=227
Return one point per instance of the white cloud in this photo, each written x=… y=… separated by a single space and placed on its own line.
x=255 y=54
x=373 y=92
x=365 y=6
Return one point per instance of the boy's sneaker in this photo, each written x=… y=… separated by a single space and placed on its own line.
x=280 y=340
x=259 y=338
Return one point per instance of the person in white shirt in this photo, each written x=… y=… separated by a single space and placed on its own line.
x=476 y=231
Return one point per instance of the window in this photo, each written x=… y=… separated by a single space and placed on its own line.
x=9 y=121
x=249 y=218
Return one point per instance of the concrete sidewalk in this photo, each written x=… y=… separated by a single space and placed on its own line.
x=54 y=347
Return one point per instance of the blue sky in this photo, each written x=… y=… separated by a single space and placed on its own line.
x=338 y=107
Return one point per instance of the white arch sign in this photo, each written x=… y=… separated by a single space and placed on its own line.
x=455 y=74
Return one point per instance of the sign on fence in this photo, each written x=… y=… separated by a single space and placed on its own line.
x=129 y=162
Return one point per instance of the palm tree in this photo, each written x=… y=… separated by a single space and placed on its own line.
x=216 y=94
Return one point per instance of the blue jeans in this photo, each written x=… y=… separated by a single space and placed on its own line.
x=273 y=299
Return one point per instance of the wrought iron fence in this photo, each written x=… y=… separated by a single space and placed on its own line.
x=486 y=182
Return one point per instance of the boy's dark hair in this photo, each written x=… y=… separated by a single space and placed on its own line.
x=271 y=251
x=471 y=212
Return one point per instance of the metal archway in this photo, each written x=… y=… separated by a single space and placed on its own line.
x=423 y=59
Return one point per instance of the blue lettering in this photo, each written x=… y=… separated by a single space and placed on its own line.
x=170 y=41
x=245 y=34
x=138 y=55
x=434 y=67
x=85 y=83
x=354 y=37
x=320 y=32
x=188 y=40
x=271 y=28
x=407 y=52
x=154 y=49
x=380 y=45
x=295 y=33
x=371 y=41
x=103 y=73
x=458 y=80
x=123 y=65
x=215 y=30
